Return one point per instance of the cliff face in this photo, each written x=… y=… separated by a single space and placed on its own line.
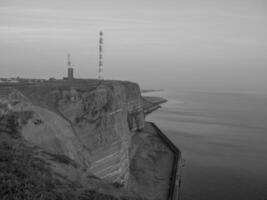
x=97 y=128
x=91 y=125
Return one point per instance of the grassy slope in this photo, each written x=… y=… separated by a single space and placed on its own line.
x=26 y=175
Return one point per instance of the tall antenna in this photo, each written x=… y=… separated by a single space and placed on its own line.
x=100 y=63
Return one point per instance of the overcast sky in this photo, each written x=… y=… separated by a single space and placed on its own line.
x=219 y=44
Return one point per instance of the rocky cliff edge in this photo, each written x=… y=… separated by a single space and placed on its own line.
x=87 y=134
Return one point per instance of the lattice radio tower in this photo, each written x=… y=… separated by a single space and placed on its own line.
x=100 y=63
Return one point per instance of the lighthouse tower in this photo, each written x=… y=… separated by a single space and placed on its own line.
x=70 y=69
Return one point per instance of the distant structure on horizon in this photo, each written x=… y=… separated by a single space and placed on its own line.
x=100 y=63
x=70 y=75
x=70 y=69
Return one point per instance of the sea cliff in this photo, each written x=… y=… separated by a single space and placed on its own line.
x=91 y=134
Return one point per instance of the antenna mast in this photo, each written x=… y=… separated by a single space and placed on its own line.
x=100 y=63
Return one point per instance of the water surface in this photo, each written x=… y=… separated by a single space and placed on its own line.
x=223 y=139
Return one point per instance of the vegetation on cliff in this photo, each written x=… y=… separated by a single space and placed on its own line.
x=26 y=171
x=25 y=175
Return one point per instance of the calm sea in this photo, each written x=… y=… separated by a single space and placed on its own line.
x=223 y=139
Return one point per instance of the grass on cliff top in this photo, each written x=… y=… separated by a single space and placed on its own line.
x=23 y=176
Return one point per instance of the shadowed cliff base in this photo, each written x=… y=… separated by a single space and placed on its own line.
x=155 y=165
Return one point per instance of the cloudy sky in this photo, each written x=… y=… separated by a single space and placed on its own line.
x=218 y=44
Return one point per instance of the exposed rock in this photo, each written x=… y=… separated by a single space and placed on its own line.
x=89 y=133
x=151 y=165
